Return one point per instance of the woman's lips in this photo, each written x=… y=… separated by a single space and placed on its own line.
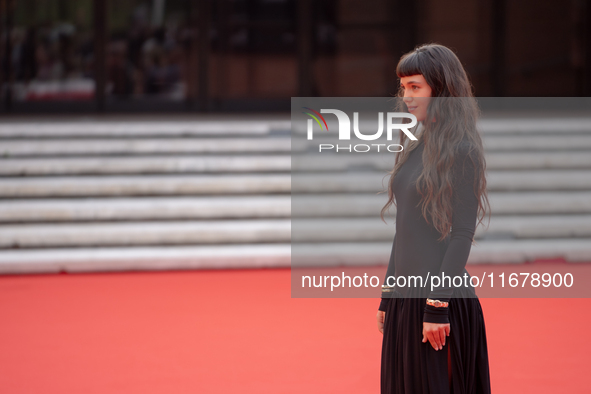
x=411 y=109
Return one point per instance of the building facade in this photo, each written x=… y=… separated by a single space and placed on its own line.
x=253 y=55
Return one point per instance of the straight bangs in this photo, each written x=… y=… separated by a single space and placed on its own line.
x=409 y=65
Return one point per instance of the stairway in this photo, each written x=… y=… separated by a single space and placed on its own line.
x=127 y=194
x=94 y=194
x=539 y=183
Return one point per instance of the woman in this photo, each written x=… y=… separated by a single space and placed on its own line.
x=434 y=337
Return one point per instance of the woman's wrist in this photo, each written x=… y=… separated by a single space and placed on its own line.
x=432 y=314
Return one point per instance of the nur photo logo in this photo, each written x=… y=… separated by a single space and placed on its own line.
x=393 y=122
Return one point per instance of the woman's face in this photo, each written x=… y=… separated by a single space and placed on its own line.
x=417 y=94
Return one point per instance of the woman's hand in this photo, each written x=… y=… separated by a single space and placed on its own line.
x=381 y=316
x=436 y=334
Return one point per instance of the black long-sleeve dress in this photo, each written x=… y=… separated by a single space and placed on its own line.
x=410 y=366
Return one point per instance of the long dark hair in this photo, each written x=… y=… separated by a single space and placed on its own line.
x=456 y=112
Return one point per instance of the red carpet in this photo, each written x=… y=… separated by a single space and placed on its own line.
x=240 y=332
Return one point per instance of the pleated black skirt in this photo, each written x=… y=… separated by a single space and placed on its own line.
x=410 y=366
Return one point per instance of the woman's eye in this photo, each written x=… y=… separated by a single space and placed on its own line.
x=415 y=87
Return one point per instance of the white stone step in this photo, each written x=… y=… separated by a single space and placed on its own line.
x=358 y=204
x=116 y=128
x=538 y=124
x=539 y=180
x=547 y=226
x=485 y=251
x=372 y=230
x=537 y=160
x=540 y=202
x=264 y=207
x=149 y=184
x=268 y=255
x=144 y=258
x=495 y=161
x=144 y=233
x=318 y=205
x=150 y=165
x=136 y=146
x=93 y=126
x=493 y=142
x=144 y=208
x=267 y=163
x=524 y=250
x=115 y=185
x=373 y=181
x=502 y=251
